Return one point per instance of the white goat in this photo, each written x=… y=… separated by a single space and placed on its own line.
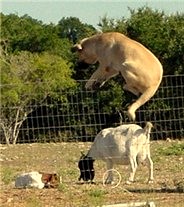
x=125 y=144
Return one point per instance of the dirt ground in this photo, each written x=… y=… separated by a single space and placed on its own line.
x=166 y=191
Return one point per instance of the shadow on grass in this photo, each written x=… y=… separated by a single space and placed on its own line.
x=157 y=190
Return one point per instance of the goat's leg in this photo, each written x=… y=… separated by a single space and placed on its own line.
x=150 y=166
x=109 y=179
x=133 y=167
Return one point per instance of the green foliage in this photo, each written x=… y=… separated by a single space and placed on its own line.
x=148 y=28
x=173 y=57
x=39 y=75
x=112 y=98
x=23 y=32
x=73 y=29
x=159 y=104
x=28 y=34
x=109 y=24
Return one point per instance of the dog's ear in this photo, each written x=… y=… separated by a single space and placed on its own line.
x=79 y=47
x=76 y=47
x=82 y=155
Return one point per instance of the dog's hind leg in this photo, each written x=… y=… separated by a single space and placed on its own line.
x=131 y=89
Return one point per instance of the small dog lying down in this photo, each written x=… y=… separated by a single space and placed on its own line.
x=37 y=180
x=124 y=145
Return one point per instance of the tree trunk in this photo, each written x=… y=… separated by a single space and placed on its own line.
x=11 y=130
x=7 y=134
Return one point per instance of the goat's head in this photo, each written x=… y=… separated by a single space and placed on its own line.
x=85 y=165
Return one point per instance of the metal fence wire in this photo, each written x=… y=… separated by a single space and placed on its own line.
x=83 y=114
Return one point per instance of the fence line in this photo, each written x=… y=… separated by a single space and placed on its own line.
x=84 y=114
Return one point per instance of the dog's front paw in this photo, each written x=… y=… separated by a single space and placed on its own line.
x=131 y=115
x=89 y=85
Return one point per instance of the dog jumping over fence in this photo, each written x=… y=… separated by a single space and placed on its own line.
x=116 y=54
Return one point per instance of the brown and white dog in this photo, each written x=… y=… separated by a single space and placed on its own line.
x=37 y=180
x=116 y=54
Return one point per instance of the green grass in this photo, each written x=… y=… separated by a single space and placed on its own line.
x=96 y=196
x=63 y=158
x=62 y=187
x=174 y=149
x=7 y=175
x=33 y=201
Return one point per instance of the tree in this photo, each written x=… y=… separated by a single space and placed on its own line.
x=26 y=81
x=173 y=59
x=23 y=33
x=28 y=34
x=73 y=29
x=109 y=24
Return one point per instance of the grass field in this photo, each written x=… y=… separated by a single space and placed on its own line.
x=166 y=191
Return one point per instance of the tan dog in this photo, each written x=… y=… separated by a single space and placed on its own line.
x=116 y=54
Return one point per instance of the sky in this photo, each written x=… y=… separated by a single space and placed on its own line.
x=88 y=11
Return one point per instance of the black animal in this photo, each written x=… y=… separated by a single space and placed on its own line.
x=85 y=165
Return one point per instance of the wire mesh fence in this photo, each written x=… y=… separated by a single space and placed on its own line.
x=82 y=114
